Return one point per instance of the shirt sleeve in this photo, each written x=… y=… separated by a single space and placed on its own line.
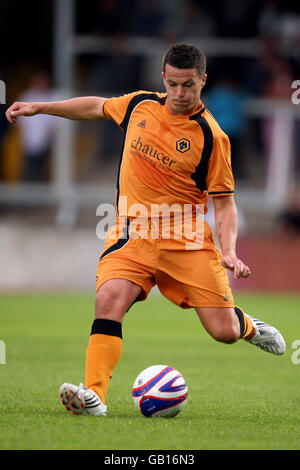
x=219 y=180
x=116 y=108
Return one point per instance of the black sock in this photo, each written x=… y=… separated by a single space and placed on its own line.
x=240 y=316
x=107 y=327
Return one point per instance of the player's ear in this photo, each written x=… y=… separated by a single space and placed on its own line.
x=203 y=80
x=164 y=78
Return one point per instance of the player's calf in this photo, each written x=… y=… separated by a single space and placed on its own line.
x=228 y=334
x=221 y=323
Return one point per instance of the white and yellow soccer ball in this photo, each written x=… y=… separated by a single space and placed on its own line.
x=160 y=390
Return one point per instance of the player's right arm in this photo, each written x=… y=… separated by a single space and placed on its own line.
x=89 y=108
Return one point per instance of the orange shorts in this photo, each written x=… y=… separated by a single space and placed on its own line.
x=188 y=278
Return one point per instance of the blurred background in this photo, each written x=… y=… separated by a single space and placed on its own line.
x=54 y=173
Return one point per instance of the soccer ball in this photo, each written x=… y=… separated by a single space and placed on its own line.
x=159 y=391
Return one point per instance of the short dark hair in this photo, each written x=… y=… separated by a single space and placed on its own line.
x=185 y=56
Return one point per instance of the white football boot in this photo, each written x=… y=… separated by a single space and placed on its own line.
x=267 y=337
x=81 y=400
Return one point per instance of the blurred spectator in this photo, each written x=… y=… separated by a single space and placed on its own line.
x=277 y=87
x=36 y=133
x=114 y=16
x=257 y=71
x=148 y=18
x=278 y=128
x=268 y=22
x=3 y=128
x=236 y=18
x=196 y=21
x=104 y=17
x=279 y=21
x=291 y=37
x=116 y=74
x=117 y=71
x=289 y=220
x=225 y=100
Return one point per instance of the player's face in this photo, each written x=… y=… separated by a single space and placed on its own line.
x=183 y=88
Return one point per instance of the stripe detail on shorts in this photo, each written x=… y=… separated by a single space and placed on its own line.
x=120 y=243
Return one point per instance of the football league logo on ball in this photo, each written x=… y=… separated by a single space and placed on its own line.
x=160 y=391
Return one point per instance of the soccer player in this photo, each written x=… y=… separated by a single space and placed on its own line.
x=174 y=156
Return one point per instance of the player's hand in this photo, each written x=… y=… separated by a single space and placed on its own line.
x=235 y=265
x=21 y=109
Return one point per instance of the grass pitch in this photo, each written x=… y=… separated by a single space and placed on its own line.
x=239 y=396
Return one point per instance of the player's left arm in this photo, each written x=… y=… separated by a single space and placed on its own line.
x=226 y=220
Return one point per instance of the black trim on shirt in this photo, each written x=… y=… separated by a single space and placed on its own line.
x=135 y=101
x=220 y=192
x=199 y=176
x=124 y=124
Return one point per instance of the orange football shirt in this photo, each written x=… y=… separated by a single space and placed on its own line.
x=168 y=159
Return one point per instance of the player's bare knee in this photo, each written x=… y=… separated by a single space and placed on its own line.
x=109 y=304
